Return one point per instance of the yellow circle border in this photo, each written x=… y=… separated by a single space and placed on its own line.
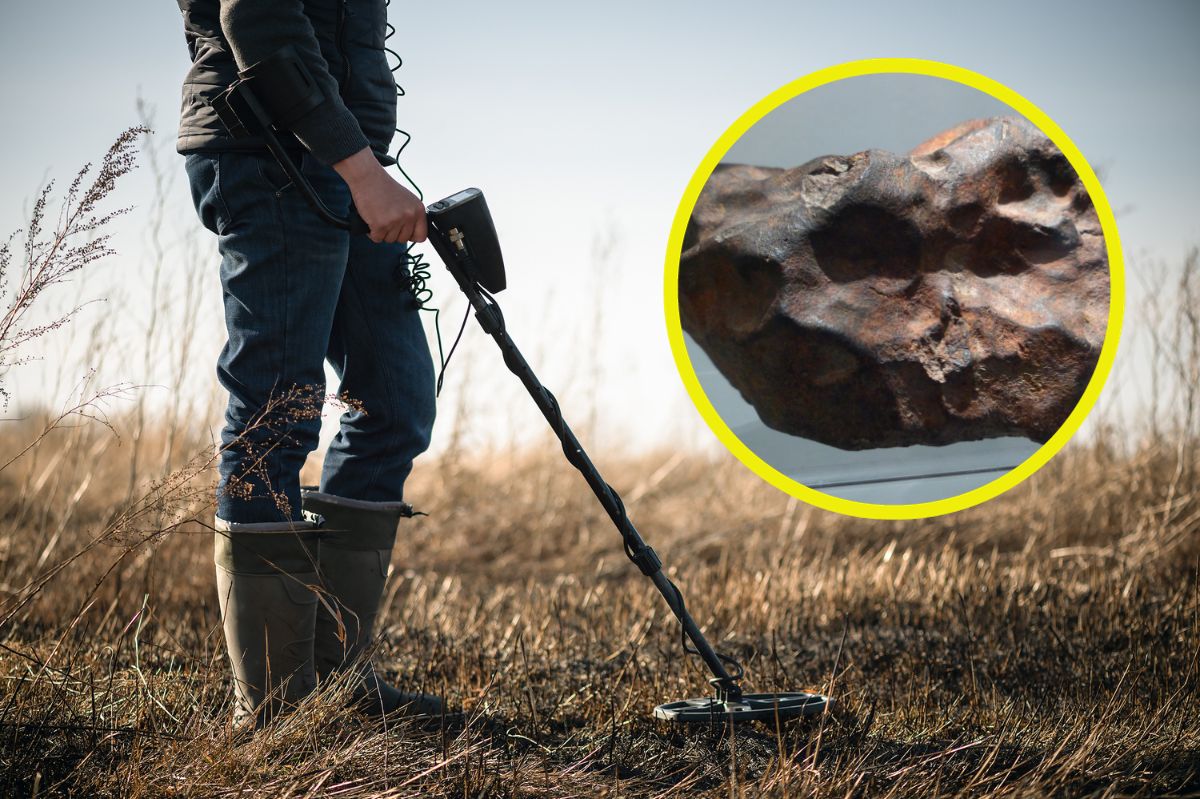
x=1108 y=352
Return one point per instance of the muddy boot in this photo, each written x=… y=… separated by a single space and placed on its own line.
x=269 y=612
x=355 y=552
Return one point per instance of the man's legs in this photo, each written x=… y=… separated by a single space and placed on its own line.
x=281 y=273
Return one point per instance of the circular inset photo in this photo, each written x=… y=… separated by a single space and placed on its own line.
x=894 y=288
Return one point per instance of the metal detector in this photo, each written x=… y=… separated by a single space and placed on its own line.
x=461 y=230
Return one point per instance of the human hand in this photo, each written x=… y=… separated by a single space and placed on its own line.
x=392 y=212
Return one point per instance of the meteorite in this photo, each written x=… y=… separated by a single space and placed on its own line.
x=955 y=293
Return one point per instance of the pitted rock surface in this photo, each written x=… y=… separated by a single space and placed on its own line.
x=956 y=293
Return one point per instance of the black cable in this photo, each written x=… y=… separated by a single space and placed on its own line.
x=400 y=92
x=461 y=328
x=414 y=280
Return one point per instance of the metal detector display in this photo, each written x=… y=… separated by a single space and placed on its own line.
x=470 y=237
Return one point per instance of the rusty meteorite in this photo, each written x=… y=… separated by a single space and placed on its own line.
x=956 y=293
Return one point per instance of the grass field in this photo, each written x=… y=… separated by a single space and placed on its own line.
x=1044 y=644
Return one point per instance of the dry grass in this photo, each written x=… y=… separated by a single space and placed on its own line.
x=1044 y=644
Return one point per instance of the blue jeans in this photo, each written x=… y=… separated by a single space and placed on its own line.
x=297 y=292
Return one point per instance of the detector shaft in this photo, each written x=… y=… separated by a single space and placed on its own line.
x=492 y=323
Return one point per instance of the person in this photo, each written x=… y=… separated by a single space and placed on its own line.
x=300 y=572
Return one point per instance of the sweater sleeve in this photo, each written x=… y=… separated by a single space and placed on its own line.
x=257 y=28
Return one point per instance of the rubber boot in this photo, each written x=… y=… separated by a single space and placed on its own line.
x=355 y=551
x=266 y=579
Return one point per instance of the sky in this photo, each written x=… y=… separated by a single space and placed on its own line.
x=882 y=112
x=582 y=124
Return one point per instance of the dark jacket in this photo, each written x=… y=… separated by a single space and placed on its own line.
x=341 y=42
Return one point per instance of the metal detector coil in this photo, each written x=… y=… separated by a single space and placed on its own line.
x=751 y=707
